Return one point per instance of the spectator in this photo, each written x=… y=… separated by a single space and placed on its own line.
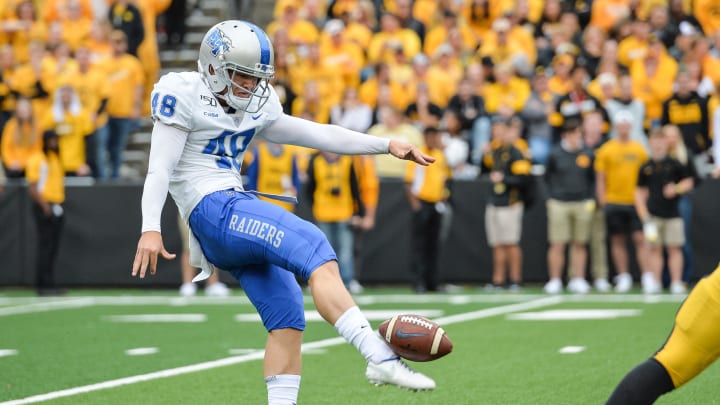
x=535 y=116
x=468 y=105
x=423 y=112
x=688 y=111
x=380 y=48
x=7 y=68
x=369 y=91
x=455 y=146
x=25 y=29
x=661 y=182
x=75 y=27
x=33 y=79
x=94 y=92
x=301 y=32
x=561 y=83
x=606 y=14
x=334 y=194
x=71 y=123
x=427 y=193
x=616 y=165
x=592 y=46
x=125 y=103
x=351 y=113
x=626 y=102
x=99 y=41
x=45 y=183
x=343 y=55
x=313 y=103
x=577 y=103
x=58 y=10
x=404 y=13
x=440 y=33
x=593 y=140
x=652 y=79
x=174 y=20
x=509 y=170
x=274 y=170
x=635 y=46
x=679 y=152
x=507 y=43
x=391 y=126
x=313 y=67
x=21 y=138
x=507 y=96
x=569 y=175
x=126 y=17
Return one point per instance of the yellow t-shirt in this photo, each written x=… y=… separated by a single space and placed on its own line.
x=513 y=95
x=332 y=197
x=427 y=183
x=621 y=162
x=653 y=90
x=71 y=130
x=124 y=74
x=48 y=173
x=17 y=148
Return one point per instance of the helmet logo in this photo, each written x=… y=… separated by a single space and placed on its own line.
x=218 y=42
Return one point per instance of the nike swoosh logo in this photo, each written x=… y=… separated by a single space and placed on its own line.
x=255 y=117
x=402 y=335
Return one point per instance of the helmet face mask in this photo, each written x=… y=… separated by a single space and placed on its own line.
x=231 y=53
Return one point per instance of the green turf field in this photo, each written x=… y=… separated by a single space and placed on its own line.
x=72 y=350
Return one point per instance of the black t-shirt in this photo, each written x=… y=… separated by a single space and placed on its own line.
x=655 y=175
x=570 y=175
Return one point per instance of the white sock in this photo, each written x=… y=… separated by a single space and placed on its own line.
x=355 y=328
x=282 y=389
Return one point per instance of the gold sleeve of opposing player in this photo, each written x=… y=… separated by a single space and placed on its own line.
x=693 y=342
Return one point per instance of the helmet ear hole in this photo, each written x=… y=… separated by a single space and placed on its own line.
x=211 y=70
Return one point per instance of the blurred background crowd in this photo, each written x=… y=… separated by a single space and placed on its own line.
x=500 y=87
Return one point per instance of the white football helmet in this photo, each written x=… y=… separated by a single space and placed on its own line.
x=237 y=47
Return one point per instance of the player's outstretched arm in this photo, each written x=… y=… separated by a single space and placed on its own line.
x=166 y=148
x=333 y=138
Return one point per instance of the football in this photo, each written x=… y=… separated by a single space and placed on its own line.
x=415 y=337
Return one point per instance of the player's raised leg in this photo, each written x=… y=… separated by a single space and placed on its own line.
x=337 y=307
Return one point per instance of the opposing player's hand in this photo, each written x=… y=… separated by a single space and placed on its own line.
x=406 y=151
x=149 y=247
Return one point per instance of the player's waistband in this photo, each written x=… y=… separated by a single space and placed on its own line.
x=284 y=198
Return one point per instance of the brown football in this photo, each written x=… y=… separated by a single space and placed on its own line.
x=415 y=337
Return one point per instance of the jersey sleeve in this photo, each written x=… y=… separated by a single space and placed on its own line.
x=171 y=101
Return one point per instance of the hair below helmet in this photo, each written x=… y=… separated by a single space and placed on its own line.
x=237 y=48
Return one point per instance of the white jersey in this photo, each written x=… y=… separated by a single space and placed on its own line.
x=216 y=141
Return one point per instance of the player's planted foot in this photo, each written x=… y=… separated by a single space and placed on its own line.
x=395 y=372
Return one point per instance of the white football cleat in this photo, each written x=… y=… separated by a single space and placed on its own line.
x=578 y=285
x=554 y=286
x=188 y=290
x=217 y=289
x=395 y=372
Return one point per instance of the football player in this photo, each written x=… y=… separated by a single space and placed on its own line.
x=690 y=348
x=203 y=122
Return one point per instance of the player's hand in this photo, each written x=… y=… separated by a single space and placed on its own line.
x=149 y=247
x=715 y=172
x=406 y=151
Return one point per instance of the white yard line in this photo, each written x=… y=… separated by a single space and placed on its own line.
x=43 y=306
x=464 y=317
x=26 y=305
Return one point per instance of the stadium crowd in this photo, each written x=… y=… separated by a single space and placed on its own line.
x=512 y=88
